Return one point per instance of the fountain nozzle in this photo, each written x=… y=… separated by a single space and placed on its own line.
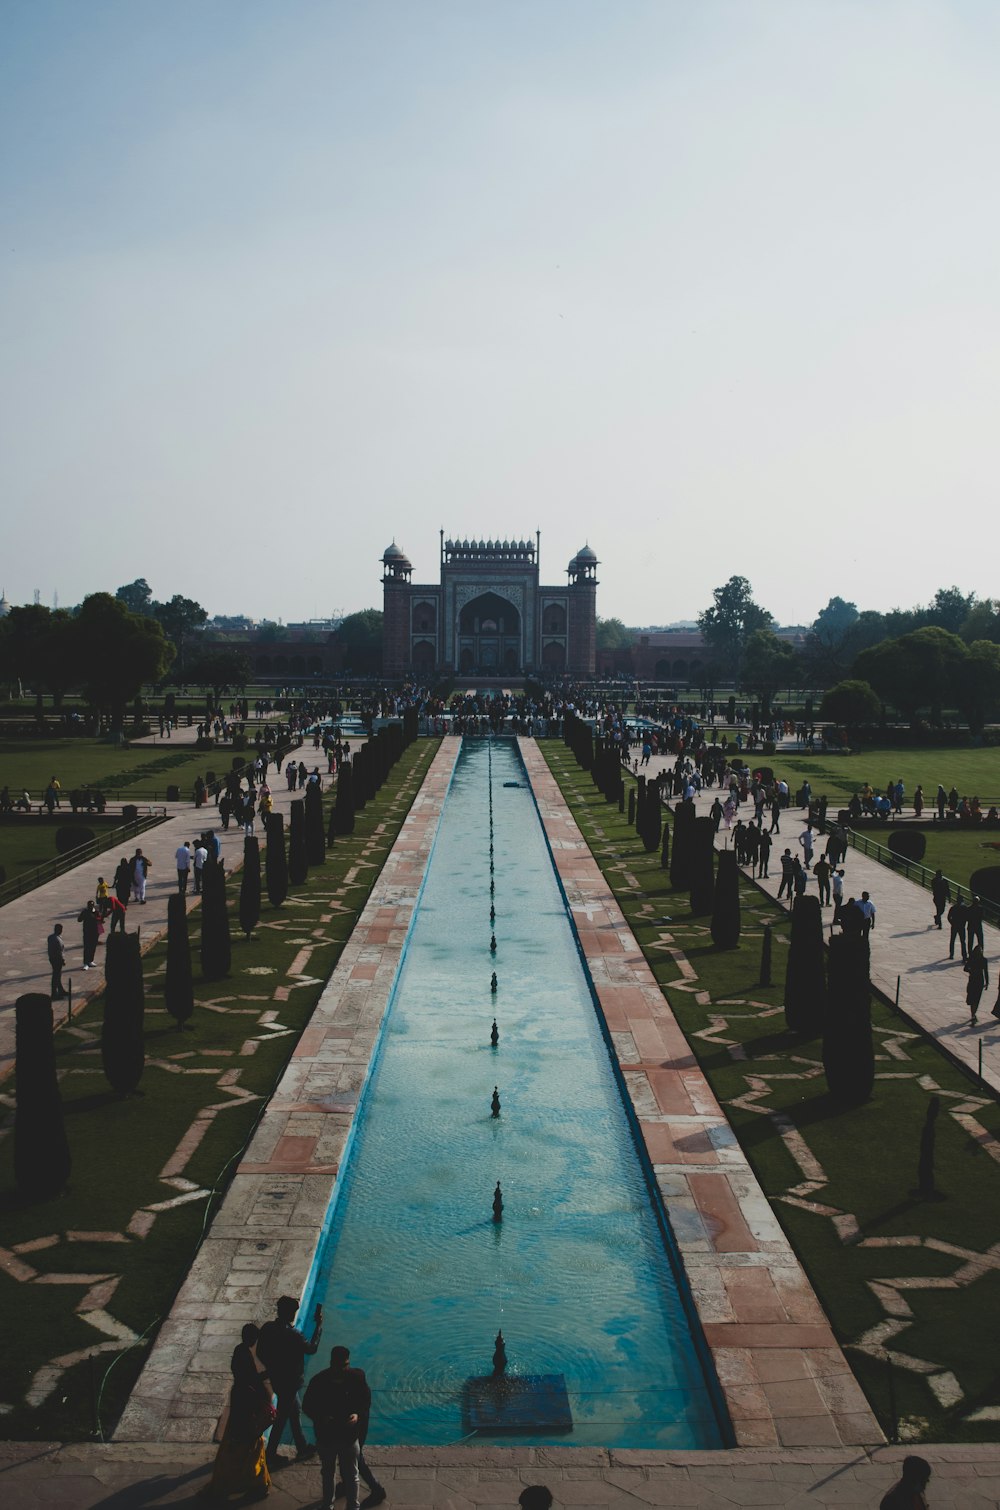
x=494 y=1034
x=495 y=1103
x=498 y=1204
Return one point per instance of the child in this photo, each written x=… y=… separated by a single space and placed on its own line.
x=103 y=900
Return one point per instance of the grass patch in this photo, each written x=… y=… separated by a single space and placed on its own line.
x=141 y=773
x=868 y=1155
x=973 y=772
x=119 y=1146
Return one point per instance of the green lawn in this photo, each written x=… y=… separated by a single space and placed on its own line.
x=119 y=1146
x=141 y=774
x=973 y=772
x=868 y=1155
x=29 y=842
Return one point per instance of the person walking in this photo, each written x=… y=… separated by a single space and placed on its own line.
x=979 y=978
x=806 y=840
x=338 y=1402
x=942 y=798
x=199 y=859
x=57 y=960
x=776 y=814
x=240 y=1465
x=866 y=907
x=822 y=873
x=183 y=862
x=283 y=1349
x=92 y=925
x=941 y=892
x=974 y=923
x=837 y=888
x=957 y=914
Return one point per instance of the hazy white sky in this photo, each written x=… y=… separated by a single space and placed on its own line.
x=712 y=285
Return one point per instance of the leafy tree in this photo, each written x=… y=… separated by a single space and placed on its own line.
x=728 y=623
x=769 y=663
x=218 y=668
x=270 y=631
x=851 y=703
x=828 y=650
x=976 y=689
x=950 y=608
x=982 y=622
x=137 y=596
x=179 y=620
x=612 y=634
x=360 y=638
x=120 y=651
x=915 y=671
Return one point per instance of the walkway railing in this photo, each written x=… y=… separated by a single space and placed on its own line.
x=111 y=838
x=912 y=869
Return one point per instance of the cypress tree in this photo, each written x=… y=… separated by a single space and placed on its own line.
x=680 y=860
x=652 y=819
x=765 y=957
x=702 y=878
x=331 y=828
x=848 y=1053
x=123 y=1054
x=726 y=912
x=315 y=836
x=631 y=807
x=178 y=983
x=359 y=779
x=665 y=851
x=298 y=860
x=344 y=812
x=805 y=985
x=640 y=803
x=621 y=796
x=41 y=1152
x=275 y=862
x=250 y=886
x=216 y=945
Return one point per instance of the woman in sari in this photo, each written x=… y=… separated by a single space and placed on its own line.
x=240 y=1464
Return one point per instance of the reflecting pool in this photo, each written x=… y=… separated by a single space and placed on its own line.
x=415 y=1275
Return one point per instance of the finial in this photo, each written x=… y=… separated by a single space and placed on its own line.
x=495 y=1103
x=494 y=1034
x=493 y=982
x=493 y=943
x=498 y=1204
x=499 y=1356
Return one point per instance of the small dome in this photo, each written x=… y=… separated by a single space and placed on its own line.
x=586 y=557
x=5 y=606
x=393 y=553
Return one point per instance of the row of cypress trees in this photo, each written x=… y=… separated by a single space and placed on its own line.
x=42 y=1160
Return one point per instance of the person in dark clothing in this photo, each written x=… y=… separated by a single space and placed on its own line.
x=821 y=870
x=908 y=1493
x=91 y=933
x=974 y=924
x=123 y=881
x=957 y=914
x=57 y=959
x=763 y=852
x=941 y=892
x=787 y=875
x=979 y=979
x=338 y=1402
x=283 y=1349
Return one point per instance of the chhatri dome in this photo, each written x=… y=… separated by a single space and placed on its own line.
x=5 y=606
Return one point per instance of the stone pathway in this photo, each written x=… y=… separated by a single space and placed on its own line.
x=26 y=923
x=45 y=1476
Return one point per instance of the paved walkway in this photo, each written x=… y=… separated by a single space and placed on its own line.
x=45 y=1476
x=26 y=923
x=904 y=945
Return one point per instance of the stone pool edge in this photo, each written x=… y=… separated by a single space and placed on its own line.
x=264 y=1237
x=784 y=1378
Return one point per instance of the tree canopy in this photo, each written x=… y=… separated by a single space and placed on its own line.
x=769 y=663
x=612 y=634
x=730 y=621
x=360 y=635
x=219 y=668
x=850 y=703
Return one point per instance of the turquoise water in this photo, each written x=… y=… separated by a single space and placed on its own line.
x=414 y=1275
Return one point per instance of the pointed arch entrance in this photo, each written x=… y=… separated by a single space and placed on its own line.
x=489 y=633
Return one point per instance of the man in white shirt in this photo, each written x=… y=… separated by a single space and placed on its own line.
x=200 y=856
x=139 y=866
x=183 y=859
x=867 y=909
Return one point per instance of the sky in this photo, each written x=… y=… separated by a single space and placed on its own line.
x=711 y=285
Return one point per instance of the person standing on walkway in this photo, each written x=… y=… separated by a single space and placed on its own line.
x=763 y=852
x=787 y=875
x=837 y=888
x=806 y=840
x=57 y=959
x=240 y=1464
x=822 y=874
x=92 y=925
x=918 y=801
x=183 y=862
x=338 y=1402
x=776 y=814
x=283 y=1350
x=974 y=923
x=957 y=914
x=979 y=978
x=941 y=892
x=866 y=907
x=139 y=867
x=942 y=798
x=909 y=1492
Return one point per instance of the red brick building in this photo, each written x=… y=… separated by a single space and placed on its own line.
x=489 y=614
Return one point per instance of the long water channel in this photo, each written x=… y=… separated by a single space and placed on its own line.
x=415 y=1275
